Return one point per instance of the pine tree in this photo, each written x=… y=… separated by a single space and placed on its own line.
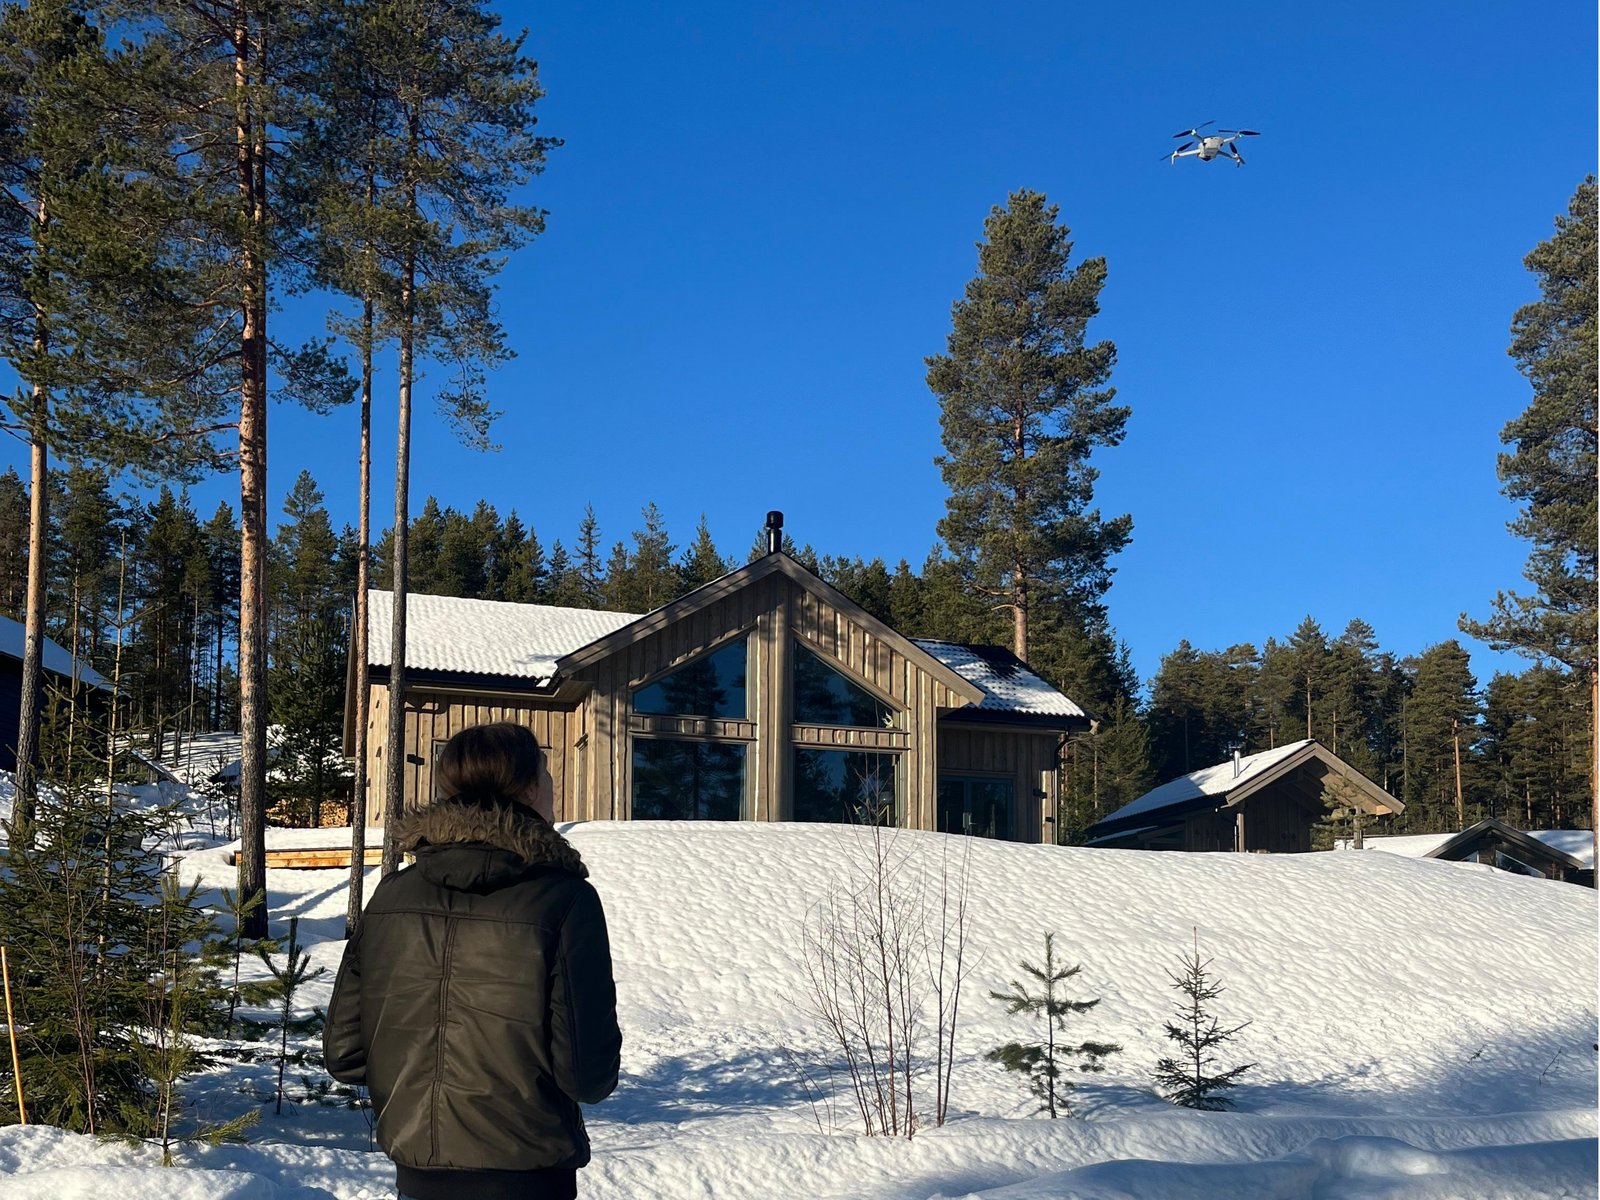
x=1188 y=1080
x=288 y=978
x=456 y=99
x=312 y=586
x=1043 y=1063
x=586 y=562
x=528 y=574
x=1551 y=468
x=1442 y=728
x=702 y=563
x=644 y=578
x=1023 y=403
x=13 y=545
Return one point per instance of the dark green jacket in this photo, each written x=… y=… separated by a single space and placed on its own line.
x=476 y=1001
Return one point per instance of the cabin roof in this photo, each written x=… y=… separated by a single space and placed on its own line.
x=1578 y=843
x=1008 y=684
x=536 y=643
x=1468 y=840
x=57 y=658
x=485 y=637
x=1219 y=783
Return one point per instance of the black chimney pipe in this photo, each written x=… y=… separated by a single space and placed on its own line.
x=774 y=531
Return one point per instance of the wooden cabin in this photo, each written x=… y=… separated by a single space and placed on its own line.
x=766 y=695
x=60 y=674
x=1505 y=848
x=1258 y=802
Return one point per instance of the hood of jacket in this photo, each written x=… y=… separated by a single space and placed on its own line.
x=465 y=847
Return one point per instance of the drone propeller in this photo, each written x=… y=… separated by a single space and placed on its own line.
x=1195 y=132
x=1237 y=156
x=1245 y=132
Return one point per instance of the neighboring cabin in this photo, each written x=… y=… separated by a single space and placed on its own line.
x=765 y=695
x=1565 y=854
x=58 y=674
x=1259 y=802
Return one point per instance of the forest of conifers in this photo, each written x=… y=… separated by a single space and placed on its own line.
x=1400 y=715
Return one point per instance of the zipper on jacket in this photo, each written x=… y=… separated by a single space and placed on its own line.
x=438 y=1060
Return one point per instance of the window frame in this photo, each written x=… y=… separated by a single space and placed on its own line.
x=635 y=686
x=901 y=722
x=896 y=756
x=971 y=777
x=747 y=782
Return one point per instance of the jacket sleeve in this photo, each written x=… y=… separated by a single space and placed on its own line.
x=585 y=1043
x=342 y=1051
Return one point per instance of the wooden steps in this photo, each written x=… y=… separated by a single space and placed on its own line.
x=313 y=859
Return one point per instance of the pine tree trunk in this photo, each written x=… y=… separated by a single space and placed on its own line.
x=358 y=640
x=252 y=507
x=1461 y=812
x=394 y=758
x=27 y=778
x=1019 y=612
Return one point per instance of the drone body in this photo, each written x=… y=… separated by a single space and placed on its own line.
x=1216 y=144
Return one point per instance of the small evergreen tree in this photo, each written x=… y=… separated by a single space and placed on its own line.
x=1187 y=1080
x=1043 y=1063
x=287 y=979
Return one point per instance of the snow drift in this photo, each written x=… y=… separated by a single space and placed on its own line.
x=1420 y=1029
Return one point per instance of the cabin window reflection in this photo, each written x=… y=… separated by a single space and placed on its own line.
x=824 y=695
x=977 y=807
x=710 y=686
x=855 y=787
x=679 y=780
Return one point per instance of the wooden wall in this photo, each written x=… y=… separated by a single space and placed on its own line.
x=433 y=716
x=1027 y=758
x=773 y=612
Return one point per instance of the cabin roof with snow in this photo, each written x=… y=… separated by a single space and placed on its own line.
x=1301 y=765
x=535 y=645
x=1497 y=844
x=57 y=658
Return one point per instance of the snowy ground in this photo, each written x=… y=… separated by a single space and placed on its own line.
x=1424 y=1030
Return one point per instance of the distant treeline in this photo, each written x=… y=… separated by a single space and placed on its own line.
x=1399 y=717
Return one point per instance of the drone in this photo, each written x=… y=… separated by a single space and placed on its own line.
x=1216 y=144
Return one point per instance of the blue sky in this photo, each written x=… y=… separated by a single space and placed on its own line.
x=761 y=216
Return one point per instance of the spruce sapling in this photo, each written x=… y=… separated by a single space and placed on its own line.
x=1186 y=1080
x=295 y=971
x=1042 y=1062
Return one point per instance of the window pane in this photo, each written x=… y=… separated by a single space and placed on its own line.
x=853 y=786
x=712 y=686
x=687 y=781
x=824 y=696
x=979 y=807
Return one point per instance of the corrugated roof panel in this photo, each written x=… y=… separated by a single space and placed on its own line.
x=1008 y=684
x=485 y=637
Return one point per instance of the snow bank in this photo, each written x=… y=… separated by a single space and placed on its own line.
x=1352 y=1168
x=1450 y=1010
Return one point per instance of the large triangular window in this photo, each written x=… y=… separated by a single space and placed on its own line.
x=824 y=695
x=710 y=686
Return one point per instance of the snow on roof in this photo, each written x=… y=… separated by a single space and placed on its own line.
x=1579 y=843
x=1215 y=781
x=1007 y=683
x=57 y=659
x=485 y=637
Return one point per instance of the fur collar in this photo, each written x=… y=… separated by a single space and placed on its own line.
x=518 y=831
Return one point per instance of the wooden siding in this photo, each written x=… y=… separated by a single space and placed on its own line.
x=433 y=716
x=774 y=612
x=1028 y=759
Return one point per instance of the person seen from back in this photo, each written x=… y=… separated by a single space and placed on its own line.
x=476 y=1000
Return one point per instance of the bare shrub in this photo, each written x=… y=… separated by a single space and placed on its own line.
x=878 y=965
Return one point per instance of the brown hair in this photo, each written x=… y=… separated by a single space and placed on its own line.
x=489 y=764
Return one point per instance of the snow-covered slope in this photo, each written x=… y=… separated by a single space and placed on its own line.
x=1449 y=1007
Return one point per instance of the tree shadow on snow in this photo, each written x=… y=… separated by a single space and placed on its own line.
x=679 y=1088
